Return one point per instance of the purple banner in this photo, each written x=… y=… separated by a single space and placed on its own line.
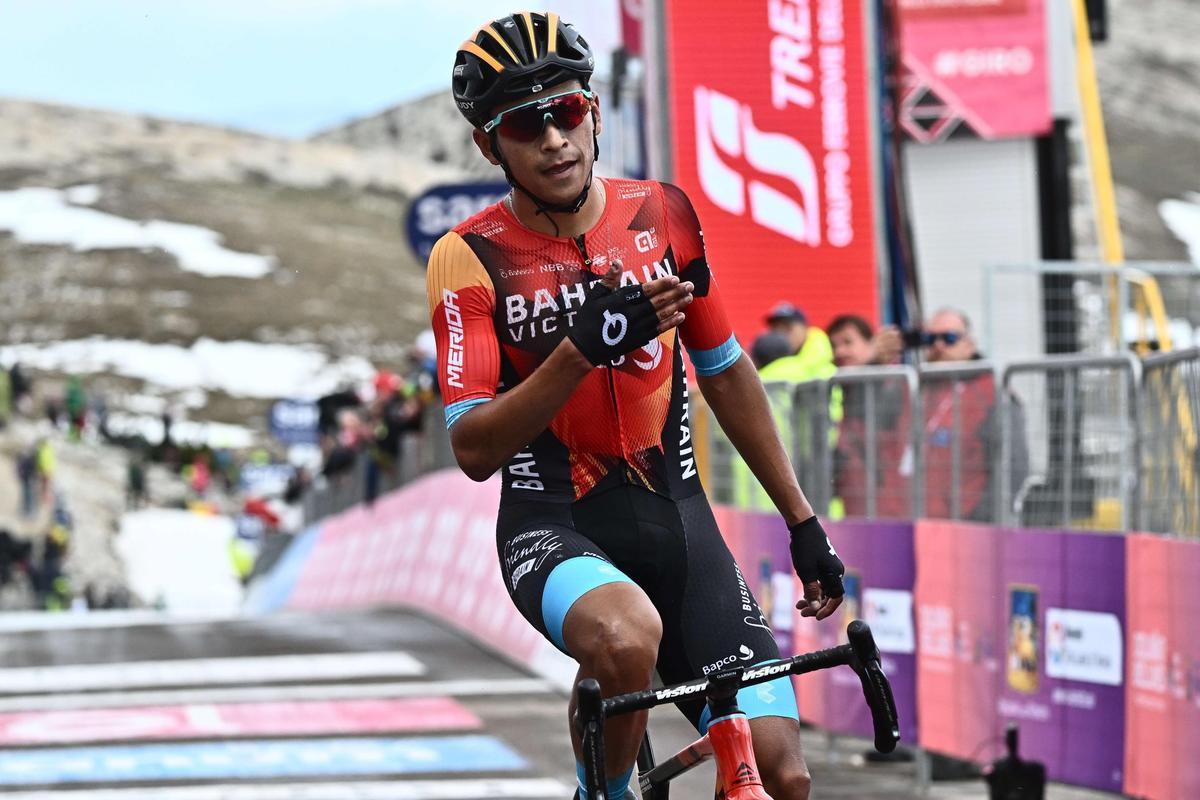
x=879 y=578
x=1023 y=626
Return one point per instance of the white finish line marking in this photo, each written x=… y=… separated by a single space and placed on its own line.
x=361 y=790
x=208 y=671
x=262 y=694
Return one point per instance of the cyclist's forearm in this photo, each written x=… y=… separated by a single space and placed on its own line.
x=740 y=404
x=487 y=436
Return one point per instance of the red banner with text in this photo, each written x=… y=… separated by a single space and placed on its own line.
x=770 y=139
x=974 y=65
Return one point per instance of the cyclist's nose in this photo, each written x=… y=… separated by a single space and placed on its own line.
x=553 y=136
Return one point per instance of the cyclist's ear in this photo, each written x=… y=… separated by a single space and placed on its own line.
x=596 y=113
x=484 y=143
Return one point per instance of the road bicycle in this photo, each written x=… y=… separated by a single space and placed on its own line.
x=728 y=737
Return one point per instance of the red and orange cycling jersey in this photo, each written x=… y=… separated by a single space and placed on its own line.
x=502 y=297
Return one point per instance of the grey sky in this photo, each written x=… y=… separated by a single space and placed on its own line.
x=285 y=67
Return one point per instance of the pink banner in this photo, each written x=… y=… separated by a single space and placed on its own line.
x=431 y=545
x=243 y=719
x=975 y=65
x=1163 y=701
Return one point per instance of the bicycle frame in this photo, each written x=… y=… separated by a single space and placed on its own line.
x=720 y=690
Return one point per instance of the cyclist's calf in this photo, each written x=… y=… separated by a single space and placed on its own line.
x=780 y=762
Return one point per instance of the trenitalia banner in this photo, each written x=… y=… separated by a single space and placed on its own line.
x=975 y=66
x=1023 y=626
x=1163 y=702
x=769 y=125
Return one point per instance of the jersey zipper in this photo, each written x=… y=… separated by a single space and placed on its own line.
x=612 y=383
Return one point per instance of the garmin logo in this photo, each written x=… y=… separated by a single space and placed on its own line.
x=455 y=355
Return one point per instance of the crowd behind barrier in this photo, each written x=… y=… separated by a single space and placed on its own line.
x=1085 y=640
x=1073 y=441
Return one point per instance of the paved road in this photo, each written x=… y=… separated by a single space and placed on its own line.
x=315 y=707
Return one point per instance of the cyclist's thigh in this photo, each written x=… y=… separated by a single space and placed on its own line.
x=717 y=624
x=547 y=565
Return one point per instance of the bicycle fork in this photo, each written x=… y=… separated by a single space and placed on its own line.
x=729 y=735
x=728 y=740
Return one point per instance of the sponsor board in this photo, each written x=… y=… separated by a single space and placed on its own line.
x=770 y=136
x=1084 y=646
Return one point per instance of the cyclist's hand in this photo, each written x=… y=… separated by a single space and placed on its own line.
x=615 y=320
x=819 y=568
x=670 y=297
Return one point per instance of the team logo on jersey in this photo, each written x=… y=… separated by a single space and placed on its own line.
x=615 y=326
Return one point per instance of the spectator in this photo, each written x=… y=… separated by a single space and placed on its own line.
x=135 y=482
x=76 y=406
x=27 y=475
x=854 y=345
x=45 y=464
x=790 y=353
x=6 y=398
x=974 y=429
x=22 y=389
x=770 y=347
x=811 y=355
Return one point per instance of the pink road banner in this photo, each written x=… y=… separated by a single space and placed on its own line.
x=1023 y=626
x=430 y=545
x=242 y=719
x=1163 y=702
x=879 y=578
x=974 y=65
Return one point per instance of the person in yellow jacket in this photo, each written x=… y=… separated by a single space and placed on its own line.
x=811 y=358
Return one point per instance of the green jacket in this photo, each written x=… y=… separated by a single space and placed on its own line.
x=813 y=362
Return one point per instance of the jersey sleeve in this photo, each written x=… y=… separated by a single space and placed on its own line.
x=706 y=331
x=462 y=301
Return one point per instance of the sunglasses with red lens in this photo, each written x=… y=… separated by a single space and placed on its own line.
x=525 y=122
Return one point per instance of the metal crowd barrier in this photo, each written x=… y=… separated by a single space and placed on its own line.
x=1097 y=442
x=1052 y=442
x=1082 y=413
x=1170 y=451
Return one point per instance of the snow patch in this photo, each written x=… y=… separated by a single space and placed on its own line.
x=180 y=559
x=1183 y=219
x=44 y=216
x=240 y=369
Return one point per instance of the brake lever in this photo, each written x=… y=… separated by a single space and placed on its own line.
x=876 y=688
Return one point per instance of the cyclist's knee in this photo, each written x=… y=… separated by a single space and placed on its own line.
x=786 y=781
x=620 y=648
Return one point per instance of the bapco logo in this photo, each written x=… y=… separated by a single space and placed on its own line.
x=725 y=131
x=612 y=320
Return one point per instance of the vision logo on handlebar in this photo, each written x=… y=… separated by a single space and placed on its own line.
x=612 y=320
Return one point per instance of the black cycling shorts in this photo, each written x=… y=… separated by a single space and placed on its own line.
x=551 y=555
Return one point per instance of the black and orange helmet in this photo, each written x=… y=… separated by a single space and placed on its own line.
x=516 y=56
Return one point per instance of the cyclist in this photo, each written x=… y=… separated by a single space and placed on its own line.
x=559 y=312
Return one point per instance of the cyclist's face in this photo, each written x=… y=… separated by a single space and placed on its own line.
x=556 y=164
